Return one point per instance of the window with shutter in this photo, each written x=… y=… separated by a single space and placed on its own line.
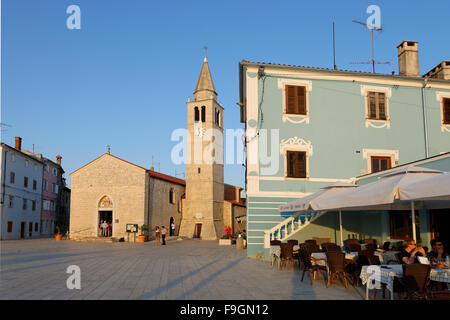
x=446 y=111
x=377 y=106
x=296 y=164
x=296 y=100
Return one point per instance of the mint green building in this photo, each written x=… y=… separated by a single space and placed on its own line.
x=307 y=128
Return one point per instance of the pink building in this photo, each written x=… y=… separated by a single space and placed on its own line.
x=51 y=189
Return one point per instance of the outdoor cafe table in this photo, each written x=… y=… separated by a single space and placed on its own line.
x=320 y=258
x=275 y=252
x=372 y=276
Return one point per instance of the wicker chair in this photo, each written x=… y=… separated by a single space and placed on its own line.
x=332 y=248
x=371 y=247
x=355 y=269
x=386 y=245
x=374 y=260
x=327 y=245
x=305 y=257
x=354 y=247
x=294 y=243
x=371 y=241
x=415 y=280
x=287 y=254
x=352 y=241
x=311 y=242
x=336 y=266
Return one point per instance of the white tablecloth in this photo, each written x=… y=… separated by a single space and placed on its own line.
x=440 y=275
x=322 y=257
x=372 y=276
x=275 y=250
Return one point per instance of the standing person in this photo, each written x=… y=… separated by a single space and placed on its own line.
x=105 y=228
x=172 y=229
x=158 y=235
x=163 y=235
x=99 y=232
x=109 y=230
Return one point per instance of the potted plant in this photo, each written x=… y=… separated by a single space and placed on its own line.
x=58 y=235
x=143 y=235
x=226 y=238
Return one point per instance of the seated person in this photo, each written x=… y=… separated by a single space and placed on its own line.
x=437 y=252
x=410 y=252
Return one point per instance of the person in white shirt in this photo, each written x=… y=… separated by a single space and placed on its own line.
x=172 y=229
x=163 y=235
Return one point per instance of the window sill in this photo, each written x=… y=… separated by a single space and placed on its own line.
x=295 y=118
x=378 y=124
x=296 y=179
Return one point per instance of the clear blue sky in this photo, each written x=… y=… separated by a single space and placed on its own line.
x=124 y=78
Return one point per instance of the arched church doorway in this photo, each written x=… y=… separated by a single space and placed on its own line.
x=105 y=217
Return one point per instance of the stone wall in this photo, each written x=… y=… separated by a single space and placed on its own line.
x=160 y=208
x=124 y=183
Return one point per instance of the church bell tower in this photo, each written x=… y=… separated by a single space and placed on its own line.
x=203 y=212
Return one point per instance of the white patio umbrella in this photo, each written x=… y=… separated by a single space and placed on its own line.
x=434 y=188
x=313 y=201
x=382 y=194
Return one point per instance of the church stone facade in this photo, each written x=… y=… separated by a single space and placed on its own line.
x=122 y=193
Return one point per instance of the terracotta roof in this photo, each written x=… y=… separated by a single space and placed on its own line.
x=236 y=203
x=166 y=177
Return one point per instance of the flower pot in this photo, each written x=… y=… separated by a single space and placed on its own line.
x=224 y=242
x=142 y=238
x=58 y=237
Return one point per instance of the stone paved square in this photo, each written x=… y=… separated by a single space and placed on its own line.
x=183 y=269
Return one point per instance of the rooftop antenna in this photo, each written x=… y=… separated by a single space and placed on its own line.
x=334 y=51
x=177 y=174
x=2 y=125
x=372 y=61
x=153 y=165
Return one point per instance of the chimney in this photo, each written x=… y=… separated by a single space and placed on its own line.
x=408 y=59
x=18 y=143
x=58 y=159
x=441 y=71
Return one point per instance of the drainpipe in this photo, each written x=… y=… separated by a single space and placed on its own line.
x=425 y=127
x=3 y=182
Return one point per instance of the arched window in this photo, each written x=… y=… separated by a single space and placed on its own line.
x=218 y=118
x=171 y=196
x=196 y=115
x=203 y=113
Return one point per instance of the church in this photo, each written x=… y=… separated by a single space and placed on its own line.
x=121 y=193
